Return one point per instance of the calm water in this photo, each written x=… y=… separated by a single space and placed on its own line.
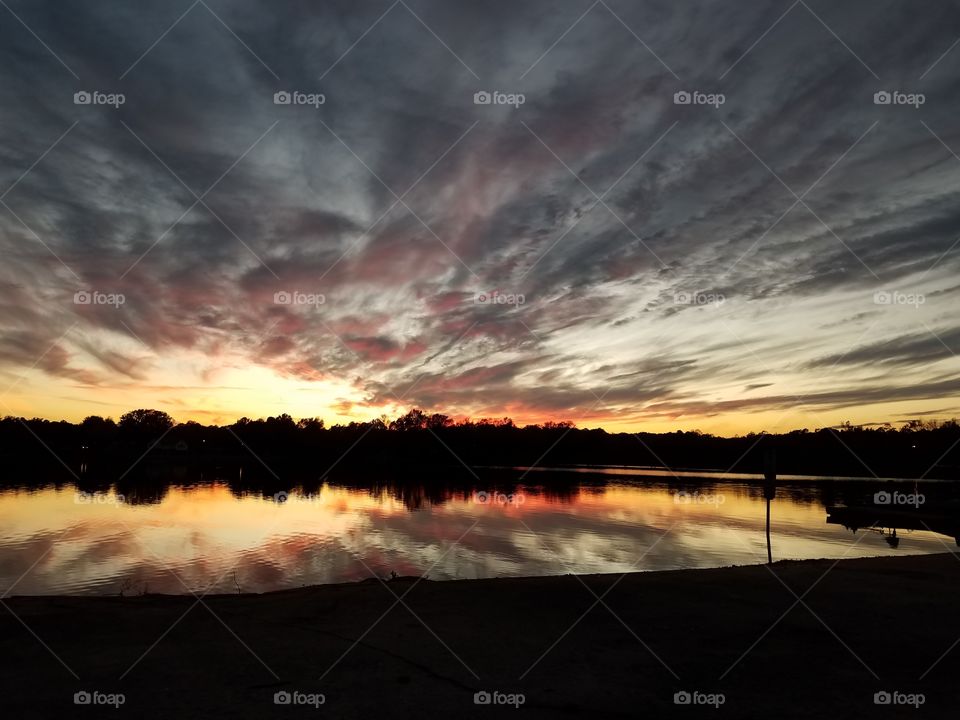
x=57 y=541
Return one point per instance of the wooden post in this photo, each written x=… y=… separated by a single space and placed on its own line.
x=769 y=489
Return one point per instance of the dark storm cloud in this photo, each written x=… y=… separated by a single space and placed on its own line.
x=694 y=407
x=297 y=198
x=922 y=349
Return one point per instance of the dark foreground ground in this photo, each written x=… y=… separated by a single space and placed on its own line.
x=867 y=626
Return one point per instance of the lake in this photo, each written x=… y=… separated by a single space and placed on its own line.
x=214 y=536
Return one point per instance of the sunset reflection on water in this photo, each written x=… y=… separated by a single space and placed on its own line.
x=59 y=541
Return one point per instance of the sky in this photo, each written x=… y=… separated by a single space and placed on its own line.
x=631 y=215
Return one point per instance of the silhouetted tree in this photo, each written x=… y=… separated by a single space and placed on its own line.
x=416 y=419
x=438 y=421
x=145 y=424
x=97 y=431
x=927 y=448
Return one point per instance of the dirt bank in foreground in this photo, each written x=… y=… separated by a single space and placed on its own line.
x=866 y=626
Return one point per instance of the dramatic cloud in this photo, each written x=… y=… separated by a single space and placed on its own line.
x=600 y=250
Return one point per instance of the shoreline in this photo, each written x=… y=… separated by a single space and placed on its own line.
x=861 y=626
x=416 y=579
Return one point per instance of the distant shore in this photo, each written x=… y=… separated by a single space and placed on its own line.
x=145 y=444
x=547 y=639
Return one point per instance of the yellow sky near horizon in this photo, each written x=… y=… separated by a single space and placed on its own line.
x=257 y=392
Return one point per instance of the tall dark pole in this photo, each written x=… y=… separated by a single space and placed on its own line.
x=769 y=489
x=769 y=550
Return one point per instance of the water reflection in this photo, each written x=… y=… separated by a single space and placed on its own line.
x=886 y=522
x=204 y=533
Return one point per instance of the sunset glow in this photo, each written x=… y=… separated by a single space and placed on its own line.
x=615 y=249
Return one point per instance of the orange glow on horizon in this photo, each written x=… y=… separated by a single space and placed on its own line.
x=257 y=392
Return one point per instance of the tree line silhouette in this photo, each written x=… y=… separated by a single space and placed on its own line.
x=151 y=438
